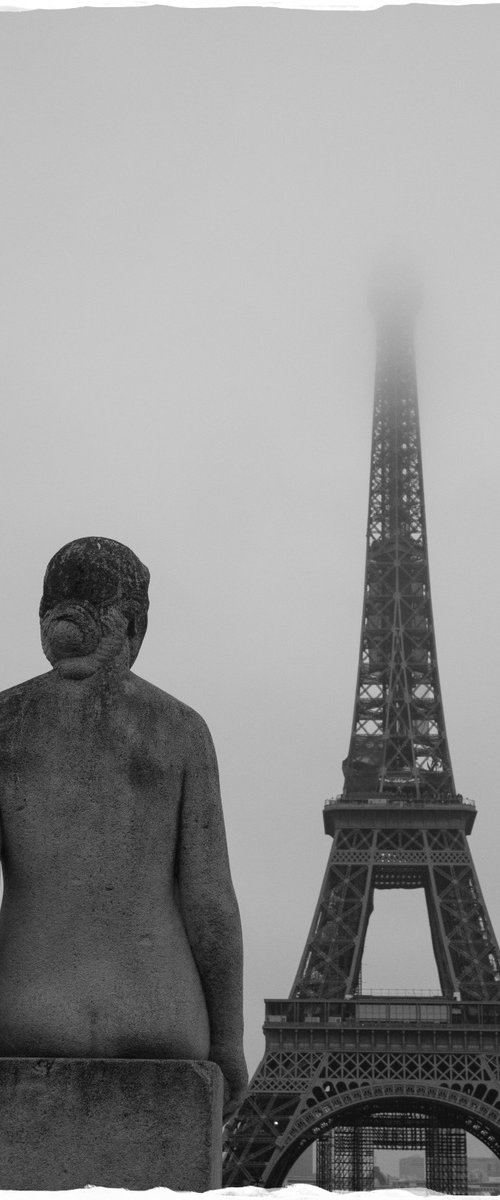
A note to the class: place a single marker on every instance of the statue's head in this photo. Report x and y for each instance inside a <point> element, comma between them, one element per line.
<point>95,602</point>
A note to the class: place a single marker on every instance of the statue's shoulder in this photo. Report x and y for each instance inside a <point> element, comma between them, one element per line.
<point>169,708</point>
<point>13,700</point>
<point>22,691</point>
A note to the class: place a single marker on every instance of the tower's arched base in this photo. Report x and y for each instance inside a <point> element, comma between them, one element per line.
<point>433,1084</point>
<point>347,1140</point>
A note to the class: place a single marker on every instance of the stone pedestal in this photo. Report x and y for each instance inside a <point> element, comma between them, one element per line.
<point>122,1123</point>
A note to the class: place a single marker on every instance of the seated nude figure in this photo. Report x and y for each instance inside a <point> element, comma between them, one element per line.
<point>119,927</point>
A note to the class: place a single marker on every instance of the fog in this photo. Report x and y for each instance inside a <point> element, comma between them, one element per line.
<point>193,203</point>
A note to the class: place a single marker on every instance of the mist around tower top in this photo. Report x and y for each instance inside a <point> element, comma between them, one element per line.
<point>394,291</point>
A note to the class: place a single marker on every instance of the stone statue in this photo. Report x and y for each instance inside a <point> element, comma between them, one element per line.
<point>119,927</point>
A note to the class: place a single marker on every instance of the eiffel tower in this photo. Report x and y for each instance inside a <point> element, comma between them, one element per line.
<point>349,1071</point>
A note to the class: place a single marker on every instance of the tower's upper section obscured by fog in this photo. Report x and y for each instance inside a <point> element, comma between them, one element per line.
<point>394,294</point>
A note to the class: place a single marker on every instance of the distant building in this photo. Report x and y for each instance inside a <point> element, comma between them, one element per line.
<point>412,1170</point>
<point>483,1173</point>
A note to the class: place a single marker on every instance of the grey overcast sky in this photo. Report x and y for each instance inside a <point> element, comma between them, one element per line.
<point>192,201</point>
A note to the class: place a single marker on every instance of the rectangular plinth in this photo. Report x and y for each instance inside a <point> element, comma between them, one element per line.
<point>122,1123</point>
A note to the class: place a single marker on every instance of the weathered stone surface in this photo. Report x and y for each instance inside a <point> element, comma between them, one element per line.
<point>66,1123</point>
<point>119,928</point>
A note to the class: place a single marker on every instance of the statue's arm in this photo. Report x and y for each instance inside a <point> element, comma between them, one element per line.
<point>210,909</point>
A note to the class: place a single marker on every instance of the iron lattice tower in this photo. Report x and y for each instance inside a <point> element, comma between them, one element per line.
<point>358,1072</point>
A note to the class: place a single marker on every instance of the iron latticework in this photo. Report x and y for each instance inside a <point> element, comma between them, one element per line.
<point>398,743</point>
<point>346,1155</point>
<point>373,1068</point>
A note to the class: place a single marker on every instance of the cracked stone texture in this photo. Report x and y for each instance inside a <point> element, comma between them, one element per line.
<point>119,928</point>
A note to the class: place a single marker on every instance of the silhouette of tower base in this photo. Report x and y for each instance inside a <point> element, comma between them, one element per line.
<point>424,1071</point>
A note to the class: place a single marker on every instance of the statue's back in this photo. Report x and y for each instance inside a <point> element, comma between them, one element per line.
<point>94,956</point>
